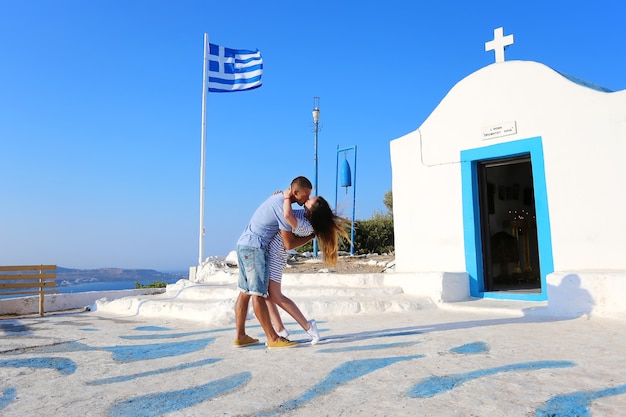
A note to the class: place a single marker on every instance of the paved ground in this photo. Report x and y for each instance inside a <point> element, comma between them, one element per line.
<point>425,363</point>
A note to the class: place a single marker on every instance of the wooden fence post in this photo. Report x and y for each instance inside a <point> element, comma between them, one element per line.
<point>41,296</point>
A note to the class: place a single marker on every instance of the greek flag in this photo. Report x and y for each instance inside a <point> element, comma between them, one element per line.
<point>233,69</point>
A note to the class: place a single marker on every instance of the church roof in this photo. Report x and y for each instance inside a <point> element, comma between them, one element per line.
<point>585,83</point>
<point>500,42</point>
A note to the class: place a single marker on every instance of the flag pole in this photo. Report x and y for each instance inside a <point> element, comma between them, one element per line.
<point>202,148</point>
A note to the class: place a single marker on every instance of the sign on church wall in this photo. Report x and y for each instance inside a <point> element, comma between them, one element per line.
<point>499,130</point>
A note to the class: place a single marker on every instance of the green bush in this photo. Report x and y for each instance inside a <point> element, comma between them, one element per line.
<point>155,284</point>
<point>370,236</point>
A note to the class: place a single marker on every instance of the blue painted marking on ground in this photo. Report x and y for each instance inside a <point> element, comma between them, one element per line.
<point>63,365</point>
<point>295,323</point>
<point>300,330</point>
<point>8,395</point>
<point>164,336</point>
<point>62,348</point>
<point>157,350</point>
<point>89,329</point>
<point>346,338</point>
<point>292,334</point>
<point>132,352</point>
<point>130,377</point>
<point>471,348</point>
<point>8,328</point>
<point>368,347</point>
<point>404,333</point>
<point>343,374</point>
<point>576,403</point>
<point>436,385</point>
<point>152,329</point>
<point>160,403</point>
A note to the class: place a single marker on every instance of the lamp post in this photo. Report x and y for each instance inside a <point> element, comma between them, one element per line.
<point>316,129</point>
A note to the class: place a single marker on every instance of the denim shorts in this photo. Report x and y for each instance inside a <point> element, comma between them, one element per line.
<point>253,276</point>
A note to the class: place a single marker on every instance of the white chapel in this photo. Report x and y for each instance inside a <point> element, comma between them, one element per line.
<point>513,189</point>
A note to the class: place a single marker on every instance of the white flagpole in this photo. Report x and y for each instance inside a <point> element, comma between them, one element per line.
<point>202,147</point>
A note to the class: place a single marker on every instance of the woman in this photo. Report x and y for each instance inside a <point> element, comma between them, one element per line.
<point>317,217</point>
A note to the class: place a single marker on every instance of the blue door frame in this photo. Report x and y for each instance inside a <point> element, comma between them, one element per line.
<point>471,215</point>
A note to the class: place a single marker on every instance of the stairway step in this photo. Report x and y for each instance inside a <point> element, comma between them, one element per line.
<point>326,291</point>
<point>203,291</point>
<point>334,280</point>
<point>317,296</point>
<point>341,306</point>
<point>222,311</point>
<point>220,292</point>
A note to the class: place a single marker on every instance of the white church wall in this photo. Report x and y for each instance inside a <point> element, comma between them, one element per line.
<point>427,206</point>
<point>583,133</point>
<point>583,171</point>
<point>595,293</point>
<point>440,287</point>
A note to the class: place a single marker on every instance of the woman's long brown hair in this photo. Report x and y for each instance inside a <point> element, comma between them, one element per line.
<point>328,226</point>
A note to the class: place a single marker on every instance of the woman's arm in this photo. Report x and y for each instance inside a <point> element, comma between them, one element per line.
<point>291,241</point>
<point>287,210</point>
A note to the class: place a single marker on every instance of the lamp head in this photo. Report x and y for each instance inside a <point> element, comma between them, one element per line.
<point>316,115</point>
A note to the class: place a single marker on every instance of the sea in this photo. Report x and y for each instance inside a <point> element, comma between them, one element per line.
<point>65,286</point>
<point>103,286</point>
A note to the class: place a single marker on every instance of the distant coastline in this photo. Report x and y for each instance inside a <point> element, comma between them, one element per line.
<point>110,276</point>
<point>108,279</point>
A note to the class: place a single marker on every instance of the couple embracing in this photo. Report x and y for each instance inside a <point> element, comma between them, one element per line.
<point>261,255</point>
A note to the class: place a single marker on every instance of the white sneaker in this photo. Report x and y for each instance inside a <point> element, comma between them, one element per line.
<point>313,333</point>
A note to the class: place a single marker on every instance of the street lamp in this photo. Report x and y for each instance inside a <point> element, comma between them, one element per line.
<point>316,129</point>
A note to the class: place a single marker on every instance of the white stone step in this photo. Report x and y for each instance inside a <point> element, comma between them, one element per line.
<point>214,292</point>
<point>339,280</point>
<point>326,291</point>
<point>317,295</point>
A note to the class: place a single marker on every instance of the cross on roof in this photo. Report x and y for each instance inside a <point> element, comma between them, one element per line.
<point>498,43</point>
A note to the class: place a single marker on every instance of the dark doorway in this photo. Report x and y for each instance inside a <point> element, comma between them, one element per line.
<point>508,226</point>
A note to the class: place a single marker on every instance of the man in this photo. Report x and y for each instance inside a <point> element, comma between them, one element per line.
<point>253,281</point>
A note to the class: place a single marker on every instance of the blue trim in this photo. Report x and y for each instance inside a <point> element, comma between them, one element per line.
<point>471,214</point>
<point>584,83</point>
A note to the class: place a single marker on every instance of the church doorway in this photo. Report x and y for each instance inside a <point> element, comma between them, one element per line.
<point>508,225</point>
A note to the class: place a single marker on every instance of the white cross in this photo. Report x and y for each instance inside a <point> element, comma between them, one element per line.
<point>498,43</point>
<point>221,60</point>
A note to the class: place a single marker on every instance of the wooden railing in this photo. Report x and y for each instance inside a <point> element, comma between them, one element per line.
<point>28,280</point>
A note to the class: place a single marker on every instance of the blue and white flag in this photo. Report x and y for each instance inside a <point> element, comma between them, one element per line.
<point>233,69</point>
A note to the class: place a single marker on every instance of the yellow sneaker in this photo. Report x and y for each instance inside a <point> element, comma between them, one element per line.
<point>246,342</point>
<point>281,342</point>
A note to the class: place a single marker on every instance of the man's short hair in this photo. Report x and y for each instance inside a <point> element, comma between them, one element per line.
<point>301,183</point>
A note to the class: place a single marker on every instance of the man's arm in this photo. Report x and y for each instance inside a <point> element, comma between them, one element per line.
<point>292,241</point>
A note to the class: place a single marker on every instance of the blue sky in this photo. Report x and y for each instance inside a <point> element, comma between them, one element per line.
<point>100,109</point>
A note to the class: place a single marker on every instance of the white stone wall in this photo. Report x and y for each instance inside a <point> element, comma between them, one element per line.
<point>69,301</point>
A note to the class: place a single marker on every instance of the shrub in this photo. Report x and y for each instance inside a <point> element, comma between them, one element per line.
<point>372,236</point>
<point>155,284</point>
